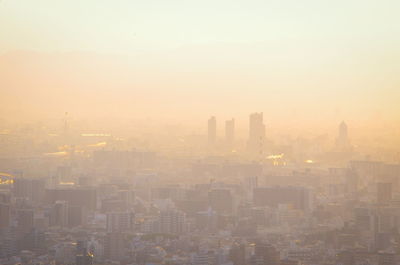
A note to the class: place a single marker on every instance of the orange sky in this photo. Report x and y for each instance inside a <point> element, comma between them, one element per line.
<point>300,63</point>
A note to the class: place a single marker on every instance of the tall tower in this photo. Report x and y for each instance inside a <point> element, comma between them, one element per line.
<point>230,133</point>
<point>256,140</point>
<point>342,141</point>
<point>212,131</point>
<point>66,124</point>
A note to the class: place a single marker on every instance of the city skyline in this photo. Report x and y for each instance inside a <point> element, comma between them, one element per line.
<point>142,60</point>
<point>182,132</point>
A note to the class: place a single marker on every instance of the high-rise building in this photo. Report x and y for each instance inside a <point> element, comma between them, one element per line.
<point>212,131</point>
<point>230,133</point>
<point>119,222</point>
<point>342,141</point>
<point>172,221</point>
<point>256,142</point>
<point>59,214</point>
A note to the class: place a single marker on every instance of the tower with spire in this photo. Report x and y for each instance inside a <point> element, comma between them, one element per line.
<point>342,140</point>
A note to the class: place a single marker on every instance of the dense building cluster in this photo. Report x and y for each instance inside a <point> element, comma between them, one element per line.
<point>101,205</point>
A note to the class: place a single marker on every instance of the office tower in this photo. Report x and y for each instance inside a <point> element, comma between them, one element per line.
<point>342,141</point>
<point>119,222</point>
<point>212,131</point>
<point>383,193</point>
<point>25,221</point>
<point>172,221</point>
<point>256,142</point>
<point>59,214</point>
<point>230,133</point>
<point>221,201</point>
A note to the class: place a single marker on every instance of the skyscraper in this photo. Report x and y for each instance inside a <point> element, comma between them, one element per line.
<point>59,214</point>
<point>230,132</point>
<point>212,131</point>
<point>256,135</point>
<point>342,141</point>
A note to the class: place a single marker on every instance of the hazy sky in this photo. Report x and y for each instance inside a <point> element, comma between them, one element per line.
<point>293,59</point>
<point>129,25</point>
